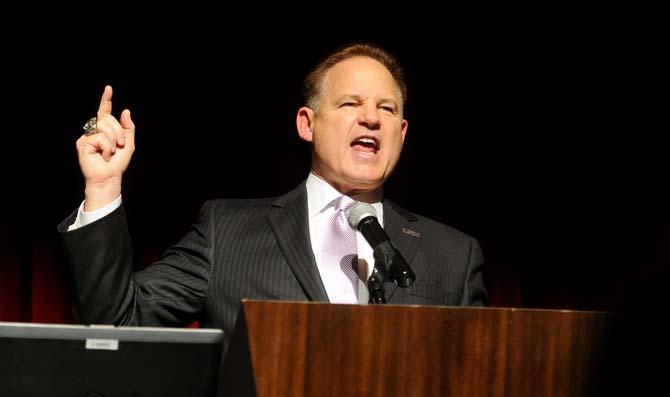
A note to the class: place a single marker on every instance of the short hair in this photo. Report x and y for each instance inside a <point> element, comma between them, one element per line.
<point>313,83</point>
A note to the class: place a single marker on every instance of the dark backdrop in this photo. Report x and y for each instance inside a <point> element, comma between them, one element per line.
<point>536,140</point>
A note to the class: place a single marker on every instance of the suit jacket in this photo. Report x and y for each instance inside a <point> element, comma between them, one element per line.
<point>253,248</point>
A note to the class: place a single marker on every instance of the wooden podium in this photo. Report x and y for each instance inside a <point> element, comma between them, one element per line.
<point>318,349</point>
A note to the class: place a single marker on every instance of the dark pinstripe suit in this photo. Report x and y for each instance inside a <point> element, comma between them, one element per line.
<point>255,248</point>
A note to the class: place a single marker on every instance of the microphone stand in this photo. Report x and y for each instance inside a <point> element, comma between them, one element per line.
<point>376,288</point>
<point>378,277</point>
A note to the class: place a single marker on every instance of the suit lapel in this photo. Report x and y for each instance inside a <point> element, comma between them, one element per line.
<point>403,230</point>
<point>289,223</point>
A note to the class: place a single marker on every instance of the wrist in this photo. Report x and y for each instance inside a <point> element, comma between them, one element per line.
<point>98,195</point>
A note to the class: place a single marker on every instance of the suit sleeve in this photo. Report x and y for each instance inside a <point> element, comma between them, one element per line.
<point>474,292</point>
<point>170,292</point>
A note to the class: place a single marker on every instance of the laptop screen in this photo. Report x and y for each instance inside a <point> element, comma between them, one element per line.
<point>78,360</point>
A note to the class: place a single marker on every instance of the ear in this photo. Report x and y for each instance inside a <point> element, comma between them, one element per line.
<point>305,123</point>
<point>403,130</point>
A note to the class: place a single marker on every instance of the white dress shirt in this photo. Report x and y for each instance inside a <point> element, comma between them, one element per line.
<point>320,205</point>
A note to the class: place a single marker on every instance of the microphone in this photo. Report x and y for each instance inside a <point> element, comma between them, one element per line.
<point>363,217</point>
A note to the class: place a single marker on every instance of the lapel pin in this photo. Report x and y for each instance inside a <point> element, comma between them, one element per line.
<point>411,232</point>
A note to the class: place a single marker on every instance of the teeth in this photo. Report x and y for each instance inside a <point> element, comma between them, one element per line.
<point>367,140</point>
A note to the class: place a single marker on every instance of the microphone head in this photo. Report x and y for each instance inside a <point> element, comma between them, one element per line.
<point>359,212</point>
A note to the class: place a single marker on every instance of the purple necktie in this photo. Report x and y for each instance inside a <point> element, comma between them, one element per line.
<point>338,255</point>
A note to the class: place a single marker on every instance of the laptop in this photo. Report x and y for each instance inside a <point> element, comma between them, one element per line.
<point>79,360</point>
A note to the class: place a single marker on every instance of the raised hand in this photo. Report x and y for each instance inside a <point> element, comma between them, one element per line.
<point>104,154</point>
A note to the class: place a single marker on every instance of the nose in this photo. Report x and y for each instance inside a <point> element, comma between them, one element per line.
<point>369,116</point>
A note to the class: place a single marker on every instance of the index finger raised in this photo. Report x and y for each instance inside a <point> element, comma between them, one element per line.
<point>105,107</point>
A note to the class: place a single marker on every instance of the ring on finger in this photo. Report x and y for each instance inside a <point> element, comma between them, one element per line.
<point>91,126</point>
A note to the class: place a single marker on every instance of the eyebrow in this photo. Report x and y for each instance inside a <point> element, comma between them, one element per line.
<point>348,96</point>
<point>359,98</point>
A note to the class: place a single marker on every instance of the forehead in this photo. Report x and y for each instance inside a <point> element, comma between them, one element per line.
<point>360,76</point>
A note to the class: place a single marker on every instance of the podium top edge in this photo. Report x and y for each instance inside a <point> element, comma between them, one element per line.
<point>435,307</point>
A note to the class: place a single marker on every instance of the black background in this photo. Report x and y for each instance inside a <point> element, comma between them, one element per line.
<point>535,136</point>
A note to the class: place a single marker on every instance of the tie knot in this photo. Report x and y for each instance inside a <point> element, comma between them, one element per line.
<point>344,203</point>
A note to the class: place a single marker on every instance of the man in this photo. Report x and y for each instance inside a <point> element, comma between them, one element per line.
<point>288,248</point>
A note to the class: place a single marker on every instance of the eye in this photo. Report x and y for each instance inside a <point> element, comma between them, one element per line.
<point>347,104</point>
<point>389,109</point>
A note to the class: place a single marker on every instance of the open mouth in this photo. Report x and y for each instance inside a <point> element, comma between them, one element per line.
<point>366,144</point>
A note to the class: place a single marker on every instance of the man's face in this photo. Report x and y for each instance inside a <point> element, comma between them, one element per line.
<point>358,130</point>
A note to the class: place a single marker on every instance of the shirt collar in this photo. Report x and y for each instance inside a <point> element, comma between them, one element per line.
<point>320,195</point>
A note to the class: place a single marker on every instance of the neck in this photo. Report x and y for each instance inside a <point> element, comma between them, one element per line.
<point>370,197</point>
<point>363,195</point>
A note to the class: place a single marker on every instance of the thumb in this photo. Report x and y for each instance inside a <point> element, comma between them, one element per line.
<point>128,125</point>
